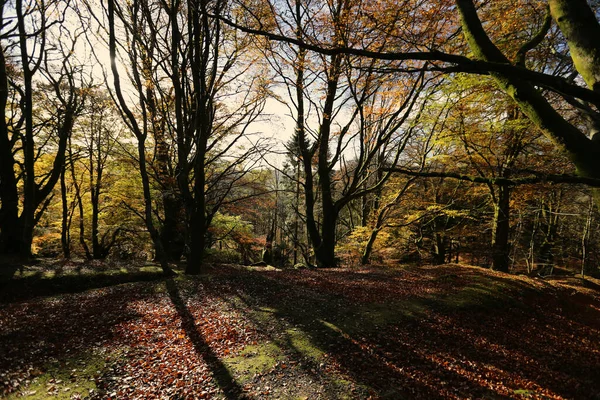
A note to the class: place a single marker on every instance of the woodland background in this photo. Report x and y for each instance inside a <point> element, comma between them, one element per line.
<point>139,129</point>
<point>171,171</point>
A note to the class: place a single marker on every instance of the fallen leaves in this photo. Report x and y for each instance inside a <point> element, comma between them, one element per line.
<point>412,333</point>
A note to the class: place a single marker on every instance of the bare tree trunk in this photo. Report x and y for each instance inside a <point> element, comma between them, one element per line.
<point>79,200</point>
<point>95,176</point>
<point>29,188</point>
<point>197,243</point>
<point>585,239</point>
<point>296,213</point>
<point>9,213</point>
<point>440,248</point>
<point>501,231</point>
<point>552,217</point>
<point>325,252</point>
<point>65,235</point>
<point>366,256</point>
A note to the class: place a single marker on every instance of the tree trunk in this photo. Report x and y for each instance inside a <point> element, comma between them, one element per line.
<point>173,232</point>
<point>267,254</point>
<point>501,231</point>
<point>366,256</point>
<point>27,226</point>
<point>29,187</point>
<point>439,247</point>
<point>325,252</point>
<point>576,20</point>
<point>9,196</point>
<point>197,243</point>
<point>154,234</point>
<point>296,213</point>
<point>585,239</point>
<point>79,201</point>
<point>547,247</point>
<point>65,237</point>
<point>198,221</point>
<point>17,231</point>
<point>365,209</point>
<point>97,251</point>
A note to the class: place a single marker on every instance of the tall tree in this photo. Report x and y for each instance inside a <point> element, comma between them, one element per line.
<point>212,120</point>
<point>509,64</point>
<point>41,51</point>
<point>492,140</point>
<point>140,130</point>
<point>192,93</point>
<point>349,118</point>
<point>99,132</point>
<point>578,23</point>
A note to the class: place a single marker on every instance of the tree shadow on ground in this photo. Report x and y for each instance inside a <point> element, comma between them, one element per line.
<point>456,333</point>
<point>355,352</point>
<point>221,374</point>
<point>8,268</point>
<point>45,334</point>
<point>439,350</point>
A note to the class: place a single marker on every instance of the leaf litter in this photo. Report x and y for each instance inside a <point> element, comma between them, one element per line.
<point>433,332</point>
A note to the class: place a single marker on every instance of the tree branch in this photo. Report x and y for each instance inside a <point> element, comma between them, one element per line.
<point>465,64</point>
<point>526,180</point>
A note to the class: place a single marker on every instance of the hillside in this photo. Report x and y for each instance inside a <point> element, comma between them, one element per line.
<point>78,331</point>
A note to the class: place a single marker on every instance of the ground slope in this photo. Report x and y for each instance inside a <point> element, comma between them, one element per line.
<point>412,332</point>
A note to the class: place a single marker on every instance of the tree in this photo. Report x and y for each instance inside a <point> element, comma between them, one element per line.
<point>579,25</point>
<point>34,41</point>
<point>491,140</point>
<point>576,21</point>
<point>393,194</point>
<point>139,130</point>
<point>194,94</point>
<point>100,131</point>
<point>349,118</point>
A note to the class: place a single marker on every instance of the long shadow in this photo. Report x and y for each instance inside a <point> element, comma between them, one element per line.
<point>323,323</point>
<point>491,332</point>
<point>221,374</point>
<point>8,269</point>
<point>46,334</point>
<point>308,365</point>
<point>548,316</point>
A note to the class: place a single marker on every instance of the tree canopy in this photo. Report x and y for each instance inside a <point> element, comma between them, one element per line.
<point>418,123</point>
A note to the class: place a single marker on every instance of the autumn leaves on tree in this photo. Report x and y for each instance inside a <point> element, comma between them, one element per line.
<point>413,127</point>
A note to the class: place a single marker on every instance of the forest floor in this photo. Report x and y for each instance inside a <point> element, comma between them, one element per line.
<point>77,330</point>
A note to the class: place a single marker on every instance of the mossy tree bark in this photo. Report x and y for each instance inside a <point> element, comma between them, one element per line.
<point>577,21</point>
